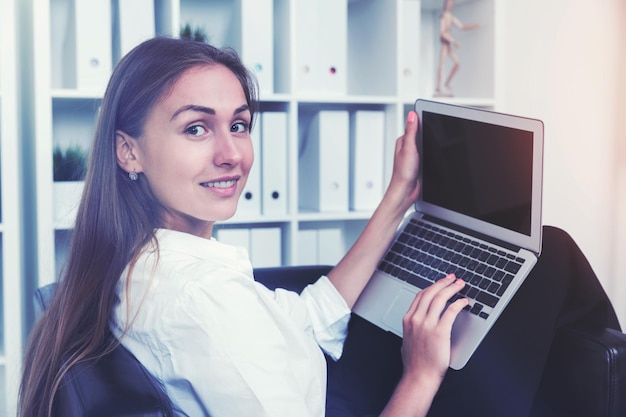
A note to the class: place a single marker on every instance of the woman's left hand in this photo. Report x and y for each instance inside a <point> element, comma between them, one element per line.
<point>404,187</point>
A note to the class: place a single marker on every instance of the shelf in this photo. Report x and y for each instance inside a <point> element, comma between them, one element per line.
<point>385,54</point>
<point>485,102</point>
<point>312,217</point>
<point>351,100</point>
<point>69,94</point>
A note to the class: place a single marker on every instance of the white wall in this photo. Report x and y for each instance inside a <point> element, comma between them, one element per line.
<point>563,62</point>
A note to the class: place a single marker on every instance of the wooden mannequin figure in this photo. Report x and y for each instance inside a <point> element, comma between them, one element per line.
<point>446,20</point>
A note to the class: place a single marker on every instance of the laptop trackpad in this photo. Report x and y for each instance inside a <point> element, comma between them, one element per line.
<point>397,310</point>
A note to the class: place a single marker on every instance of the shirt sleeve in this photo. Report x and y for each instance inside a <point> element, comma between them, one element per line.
<point>329,315</point>
<point>319,309</point>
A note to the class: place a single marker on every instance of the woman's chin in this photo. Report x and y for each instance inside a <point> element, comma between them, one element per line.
<point>225,215</point>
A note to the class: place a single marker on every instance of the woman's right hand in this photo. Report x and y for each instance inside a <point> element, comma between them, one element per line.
<point>427,328</point>
<point>427,332</point>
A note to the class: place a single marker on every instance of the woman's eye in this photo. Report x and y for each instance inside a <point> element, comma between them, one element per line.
<point>196,130</point>
<point>239,127</point>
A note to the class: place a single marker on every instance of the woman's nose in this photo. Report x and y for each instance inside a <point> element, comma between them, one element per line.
<point>226,150</point>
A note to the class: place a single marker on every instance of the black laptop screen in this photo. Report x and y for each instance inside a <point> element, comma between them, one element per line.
<point>478,169</point>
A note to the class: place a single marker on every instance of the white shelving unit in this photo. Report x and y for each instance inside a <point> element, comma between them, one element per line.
<point>385,51</point>
<point>11,330</point>
<point>376,55</point>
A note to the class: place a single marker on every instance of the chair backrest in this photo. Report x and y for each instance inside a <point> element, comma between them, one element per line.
<point>293,278</point>
<point>585,374</point>
<point>114,385</point>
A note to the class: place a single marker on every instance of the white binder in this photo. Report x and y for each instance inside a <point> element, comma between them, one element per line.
<point>321,46</point>
<point>331,246</point>
<point>367,142</point>
<point>136,23</point>
<point>321,246</point>
<point>410,58</point>
<point>274,163</point>
<point>62,46</point>
<point>262,243</point>
<point>234,236</point>
<point>93,44</point>
<point>265,246</point>
<point>250,200</point>
<point>256,43</point>
<point>307,247</point>
<point>323,179</point>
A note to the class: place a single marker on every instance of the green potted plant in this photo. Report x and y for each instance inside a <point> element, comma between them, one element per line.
<point>196,34</point>
<point>69,168</point>
<point>69,164</point>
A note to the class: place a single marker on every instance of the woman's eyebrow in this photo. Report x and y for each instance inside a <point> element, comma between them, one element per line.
<point>241,109</point>
<point>207,110</point>
<point>193,107</point>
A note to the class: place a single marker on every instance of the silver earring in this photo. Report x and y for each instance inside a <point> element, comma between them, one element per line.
<point>133,176</point>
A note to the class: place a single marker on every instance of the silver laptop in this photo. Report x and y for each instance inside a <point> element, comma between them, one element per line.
<point>478,216</point>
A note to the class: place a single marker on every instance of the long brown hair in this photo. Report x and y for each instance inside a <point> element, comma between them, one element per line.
<point>116,217</point>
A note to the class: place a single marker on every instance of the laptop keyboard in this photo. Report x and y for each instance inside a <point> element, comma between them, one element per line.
<point>424,253</point>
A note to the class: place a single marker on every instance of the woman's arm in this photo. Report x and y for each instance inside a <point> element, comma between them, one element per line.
<point>427,325</point>
<point>354,270</point>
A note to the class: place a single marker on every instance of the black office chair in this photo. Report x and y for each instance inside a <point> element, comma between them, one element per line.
<point>585,373</point>
<point>114,385</point>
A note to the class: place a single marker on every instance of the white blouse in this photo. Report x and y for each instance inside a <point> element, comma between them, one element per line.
<point>221,343</point>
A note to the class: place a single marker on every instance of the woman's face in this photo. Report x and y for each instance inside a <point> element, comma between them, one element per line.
<point>195,151</point>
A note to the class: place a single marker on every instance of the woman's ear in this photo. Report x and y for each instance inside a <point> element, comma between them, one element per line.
<point>127,152</point>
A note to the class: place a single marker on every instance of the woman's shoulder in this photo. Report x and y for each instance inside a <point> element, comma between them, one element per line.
<point>194,260</point>
<point>176,265</point>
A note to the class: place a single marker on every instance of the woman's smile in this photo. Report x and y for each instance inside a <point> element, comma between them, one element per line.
<point>225,187</point>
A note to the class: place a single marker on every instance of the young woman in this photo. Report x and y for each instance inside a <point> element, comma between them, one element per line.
<point>171,156</point>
